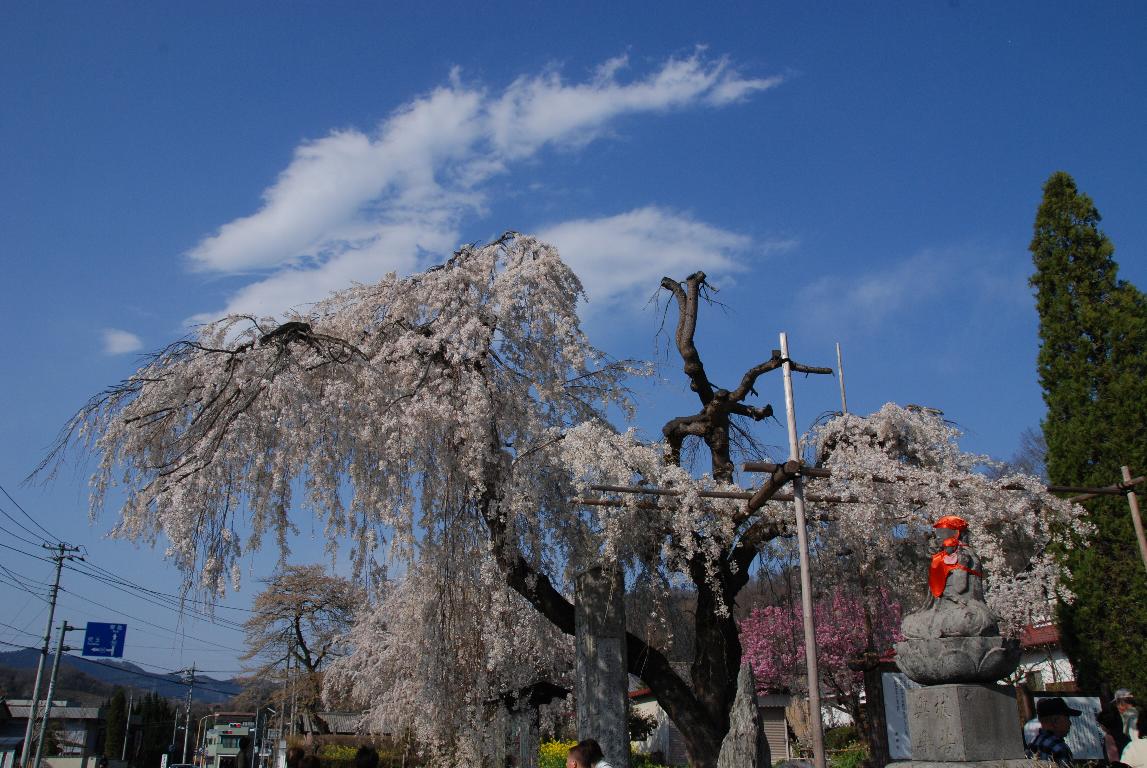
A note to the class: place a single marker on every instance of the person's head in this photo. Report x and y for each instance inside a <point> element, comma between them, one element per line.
<point>576,757</point>
<point>310,761</point>
<point>1123,700</point>
<point>1055,716</point>
<point>366,757</point>
<point>593,751</point>
<point>294,756</point>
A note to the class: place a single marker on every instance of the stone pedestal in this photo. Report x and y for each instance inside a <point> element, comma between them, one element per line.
<point>601,668</point>
<point>964,725</point>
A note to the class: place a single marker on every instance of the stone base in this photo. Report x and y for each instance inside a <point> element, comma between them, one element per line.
<point>1025,763</point>
<point>965,724</point>
<point>939,661</point>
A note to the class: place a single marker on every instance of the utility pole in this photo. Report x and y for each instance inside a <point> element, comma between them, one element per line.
<point>187,711</point>
<point>60,648</point>
<point>1136,520</point>
<point>814,714</point>
<point>127,726</point>
<point>63,552</point>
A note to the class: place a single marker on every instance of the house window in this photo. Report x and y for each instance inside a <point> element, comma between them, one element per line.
<point>1034,680</point>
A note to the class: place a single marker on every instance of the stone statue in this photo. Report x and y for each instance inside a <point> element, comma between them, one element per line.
<point>954,637</point>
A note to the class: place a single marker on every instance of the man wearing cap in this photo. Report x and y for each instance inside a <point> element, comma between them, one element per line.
<point>1054,723</point>
<point>1124,702</point>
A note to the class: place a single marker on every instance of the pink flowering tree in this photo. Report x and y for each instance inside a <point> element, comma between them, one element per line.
<point>847,624</point>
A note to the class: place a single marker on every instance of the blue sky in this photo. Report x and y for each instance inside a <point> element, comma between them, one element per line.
<point>864,173</point>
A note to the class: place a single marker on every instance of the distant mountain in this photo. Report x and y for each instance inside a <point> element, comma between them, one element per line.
<point>208,690</point>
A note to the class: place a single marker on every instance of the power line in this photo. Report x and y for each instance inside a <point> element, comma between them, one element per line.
<point>142,621</point>
<point>125,670</point>
<point>225,624</point>
<point>180,643</point>
<point>21,584</point>
<point>17,536</point>
<point>17,629</point>
<point>181,598</point>
<point>28,554</point>
<point>22,579</point>
<point>49,534</point>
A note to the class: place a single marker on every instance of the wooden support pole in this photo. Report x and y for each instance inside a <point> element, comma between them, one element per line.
<point>814,715</point>
<point>840,378</point>
<point>1136,520</point>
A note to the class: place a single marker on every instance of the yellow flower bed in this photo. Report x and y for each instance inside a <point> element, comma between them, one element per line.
<point>552,754</point>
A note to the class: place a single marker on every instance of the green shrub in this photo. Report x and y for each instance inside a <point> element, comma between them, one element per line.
<point>840,737</point>
<point>852,757</point>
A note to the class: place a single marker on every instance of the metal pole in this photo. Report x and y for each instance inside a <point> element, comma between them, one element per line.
<point>200,743</point>
<point>187,715</point>
<point>258,741</point>
<point>815,724</point>
<point>294,692</point>
<point>33,711</point>
<point>1136,520</point>
<point>840,377</point>
<point>60,648</point>
<point>127,726</point>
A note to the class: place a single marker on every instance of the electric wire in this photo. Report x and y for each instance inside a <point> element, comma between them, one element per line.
<point>136,618</point>
<point>223,623</point>
<point>22,588</point>
<point>49,534</point>
<point>180,645</point>
<point>125,670</point>
<point>27,554</point>
<point>133,585</point>
<point>17,536</point>
<point>26,582</point>
<point>17,629</point>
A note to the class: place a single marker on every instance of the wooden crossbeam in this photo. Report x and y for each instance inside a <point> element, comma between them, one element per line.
<point>1085,493</point>
<point>781,474</point>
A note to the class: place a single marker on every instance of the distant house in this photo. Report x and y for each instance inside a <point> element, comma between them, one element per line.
<point>337,723</point>
<point>77,728</point>
<point>10,741</point>
<point>666,741</point>
<point>1043,663</point>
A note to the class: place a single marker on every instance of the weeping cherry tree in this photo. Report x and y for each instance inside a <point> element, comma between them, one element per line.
<point>445,422</point>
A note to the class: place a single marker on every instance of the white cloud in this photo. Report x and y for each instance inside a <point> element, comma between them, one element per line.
<point>867,300</point>
<point>537,110</point>
<point>622,258</point>
<point>971,279</point>
<point>353,206</point>
<point>117,342</point>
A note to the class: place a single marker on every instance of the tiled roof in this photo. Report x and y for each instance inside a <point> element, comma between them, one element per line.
<point>61,713</point>
<point>1043,634</point>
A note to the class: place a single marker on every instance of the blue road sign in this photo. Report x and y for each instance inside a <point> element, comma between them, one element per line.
<point>104,639</point>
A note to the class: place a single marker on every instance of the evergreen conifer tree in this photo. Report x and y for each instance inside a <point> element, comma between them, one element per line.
<point>116,723</point>
<point>1093,370</point>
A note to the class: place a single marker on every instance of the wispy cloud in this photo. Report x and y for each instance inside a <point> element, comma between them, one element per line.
<point>117,342</point>
<point>353,205</point>
<point>624,256</point>
<point>971,280</point>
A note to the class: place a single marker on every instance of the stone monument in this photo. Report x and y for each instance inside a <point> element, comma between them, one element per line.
<point>601,669</point>
<point>953,648</point>
<point>744,745</point>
